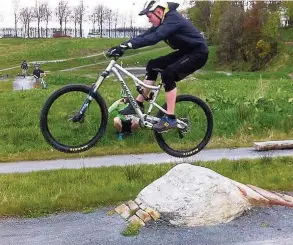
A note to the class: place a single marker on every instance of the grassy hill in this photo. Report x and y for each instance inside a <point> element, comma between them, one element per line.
<point>247,106</point>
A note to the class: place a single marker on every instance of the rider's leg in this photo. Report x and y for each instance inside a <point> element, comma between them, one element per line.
<point>153,67</point>
<point>146,91</point>
<point>134,124</point>
<point>118,124</point>
<point>175,72</point>
<point>171,101</point>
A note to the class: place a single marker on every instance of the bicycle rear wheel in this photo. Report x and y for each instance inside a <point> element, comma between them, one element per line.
<point>68,135</point>
<point>193,138</point>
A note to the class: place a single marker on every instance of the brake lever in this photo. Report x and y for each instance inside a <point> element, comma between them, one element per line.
<point>108,55</point>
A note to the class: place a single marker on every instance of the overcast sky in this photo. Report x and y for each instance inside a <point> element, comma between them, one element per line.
<point>134,6</point>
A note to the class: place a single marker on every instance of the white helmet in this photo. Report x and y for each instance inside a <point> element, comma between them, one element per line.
<point>151,5</point>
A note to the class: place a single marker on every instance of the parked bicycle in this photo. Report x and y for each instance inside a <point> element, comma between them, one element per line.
<point>41,81</point>
<point>75,117</point>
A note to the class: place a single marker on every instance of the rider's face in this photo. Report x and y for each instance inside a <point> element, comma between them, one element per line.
<point>153,18</point>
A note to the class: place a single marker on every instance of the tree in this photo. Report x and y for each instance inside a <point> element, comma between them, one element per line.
<point>100,11</point>
<point>200,14</point>
<point>47,16</point>
<point>38,13</point>
<point>74,18</point>
<point>93,18</point>
<point>124,20</point>
<point>108,17</point>
<point>230,31</point>
<point>131,21</point>
<point>16,15</point>
<point>271,27</point>
<point>26,16</point>
<point>288,6</point>
<point>115,21</point>
<point>60,12</point>
<point>217,10</point>
<point>67,15</point>
<point>81,9</point>
<point>273,6</point>
<point>252,26</point>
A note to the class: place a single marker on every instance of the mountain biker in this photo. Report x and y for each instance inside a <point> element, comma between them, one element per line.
<point>191,54</point>
<point>24,68</point>
<point>37,73</point>
<point>124,124</point>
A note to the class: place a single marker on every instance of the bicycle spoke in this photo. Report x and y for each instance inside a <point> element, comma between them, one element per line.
<point>66,131</point>
<point>193,132</point>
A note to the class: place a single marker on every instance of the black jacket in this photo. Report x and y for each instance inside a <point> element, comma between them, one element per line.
<point>38,72</point>
<point>176,31</point>
<point>24,65</point>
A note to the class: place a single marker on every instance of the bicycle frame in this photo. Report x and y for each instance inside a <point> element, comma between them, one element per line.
<point>145,119</point>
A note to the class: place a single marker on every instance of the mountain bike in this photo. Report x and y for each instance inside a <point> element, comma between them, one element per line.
<point>75,117</point>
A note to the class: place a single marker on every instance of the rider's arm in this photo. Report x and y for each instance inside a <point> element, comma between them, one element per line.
<point>42,73</point>
<point>114,106</point>
<point>156,35</point>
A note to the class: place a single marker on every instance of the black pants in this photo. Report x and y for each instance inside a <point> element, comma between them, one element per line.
<point>174,67</point>
<point>126,126</point>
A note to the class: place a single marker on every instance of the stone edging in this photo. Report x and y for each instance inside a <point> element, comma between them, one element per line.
<point>137,212</point>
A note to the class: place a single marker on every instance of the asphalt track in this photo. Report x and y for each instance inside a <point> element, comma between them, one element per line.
<point>259,226</point>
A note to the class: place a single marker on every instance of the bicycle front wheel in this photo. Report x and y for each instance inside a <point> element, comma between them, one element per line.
<point>191,139</point>
<point>68,135</point>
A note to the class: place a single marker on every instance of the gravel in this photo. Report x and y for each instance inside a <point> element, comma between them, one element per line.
<point>259,226</point>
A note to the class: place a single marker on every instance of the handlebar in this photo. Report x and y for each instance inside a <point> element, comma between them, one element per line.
<point>110,55</point>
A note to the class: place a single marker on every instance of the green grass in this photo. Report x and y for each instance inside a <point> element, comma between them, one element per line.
<point>282,62</point>
<point>246,107</point>
<point>40,193</point>
<point>6,85</point>
<point>13,51</point>
<point>73,49</point>
<point>286,34</point>
<point>132,229</point>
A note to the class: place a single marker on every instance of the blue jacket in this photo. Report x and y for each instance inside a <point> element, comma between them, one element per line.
<point>176,31</point>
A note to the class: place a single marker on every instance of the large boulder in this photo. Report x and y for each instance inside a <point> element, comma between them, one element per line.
<point>194,196</point>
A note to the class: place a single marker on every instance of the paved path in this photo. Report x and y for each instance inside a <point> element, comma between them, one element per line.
<point>120,160</point>
<point>260,226</point>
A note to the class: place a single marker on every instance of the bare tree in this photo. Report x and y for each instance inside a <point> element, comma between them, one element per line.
<point>67,15</point>
<point>108,17</point>
<point>38,13</point>
<point>74,18</point>
<point>131,21</point>
<point>100,11</point>
<point>16,15</point>
<point>124,19</point>
<point>81,9</point>
<point>26,16</point>
<point>115,18</point>
<point>60,12</point>
<point>93,18</point>
<point>47,16</point>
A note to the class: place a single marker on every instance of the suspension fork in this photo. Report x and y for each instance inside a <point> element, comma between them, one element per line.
<point>79,116</point>
<point>95,87</point>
